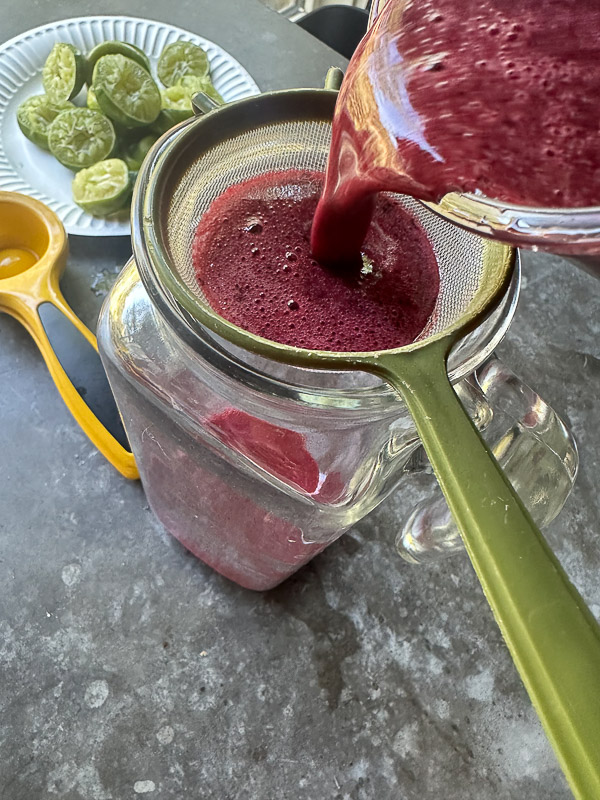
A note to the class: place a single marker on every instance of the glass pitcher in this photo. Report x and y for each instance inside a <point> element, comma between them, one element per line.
<point>256,467</point>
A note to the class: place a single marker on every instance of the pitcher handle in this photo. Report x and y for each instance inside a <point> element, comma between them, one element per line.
<point>533,445</point>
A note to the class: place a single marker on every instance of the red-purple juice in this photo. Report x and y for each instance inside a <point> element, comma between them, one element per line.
<point>231,529</point>
<point>478,95</point>
<point>253,259</point>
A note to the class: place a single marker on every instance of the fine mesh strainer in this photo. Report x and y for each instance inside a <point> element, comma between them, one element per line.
<point>553,638</point>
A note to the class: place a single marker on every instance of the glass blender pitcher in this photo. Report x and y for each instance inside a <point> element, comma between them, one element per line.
<point>573,233</point>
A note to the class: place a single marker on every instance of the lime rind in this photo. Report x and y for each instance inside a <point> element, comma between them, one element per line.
<point>36,114</point>
<point>116,48</point>
<point>162,123</point>
<point>135,152</point>
<point>63,74</point>
<point>80,137</point>
<point>92,101</point>
<point>104,188</point>
<point>181,59</point>
<point>125,91</point>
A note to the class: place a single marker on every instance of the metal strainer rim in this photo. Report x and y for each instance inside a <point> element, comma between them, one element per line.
<point>498,258</point>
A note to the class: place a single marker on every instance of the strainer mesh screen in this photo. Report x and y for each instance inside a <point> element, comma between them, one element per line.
<point>305,145</point>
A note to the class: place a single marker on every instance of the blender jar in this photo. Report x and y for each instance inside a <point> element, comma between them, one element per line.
<point>573,233</point>
<point>254,466</point>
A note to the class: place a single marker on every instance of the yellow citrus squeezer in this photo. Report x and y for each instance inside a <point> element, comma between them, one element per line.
<point>33,254</point>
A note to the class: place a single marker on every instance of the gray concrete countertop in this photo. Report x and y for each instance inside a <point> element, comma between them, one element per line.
<point>129,668</point>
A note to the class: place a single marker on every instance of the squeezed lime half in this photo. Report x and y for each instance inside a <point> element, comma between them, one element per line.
<point>193,85</point>
<point>63,74</point>
<point>176,104</point>
<point>116,48</point>
<point>180,59</point>
<point>35,115</point>
<point>177,101</point>
<point>125,91</point>
<point>79,137</point>
<point>103,188</point>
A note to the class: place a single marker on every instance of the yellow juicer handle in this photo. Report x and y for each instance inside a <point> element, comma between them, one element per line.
<point>31,310</point>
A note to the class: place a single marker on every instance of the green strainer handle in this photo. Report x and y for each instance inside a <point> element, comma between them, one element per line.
<point>552,636</point>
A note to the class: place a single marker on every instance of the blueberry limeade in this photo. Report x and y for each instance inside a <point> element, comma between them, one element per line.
<point>252,257</point>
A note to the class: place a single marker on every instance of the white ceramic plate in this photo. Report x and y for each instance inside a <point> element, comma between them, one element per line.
<point>26,168</point>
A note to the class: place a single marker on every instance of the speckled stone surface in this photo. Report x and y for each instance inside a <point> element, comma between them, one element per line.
<point>127,668</point>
